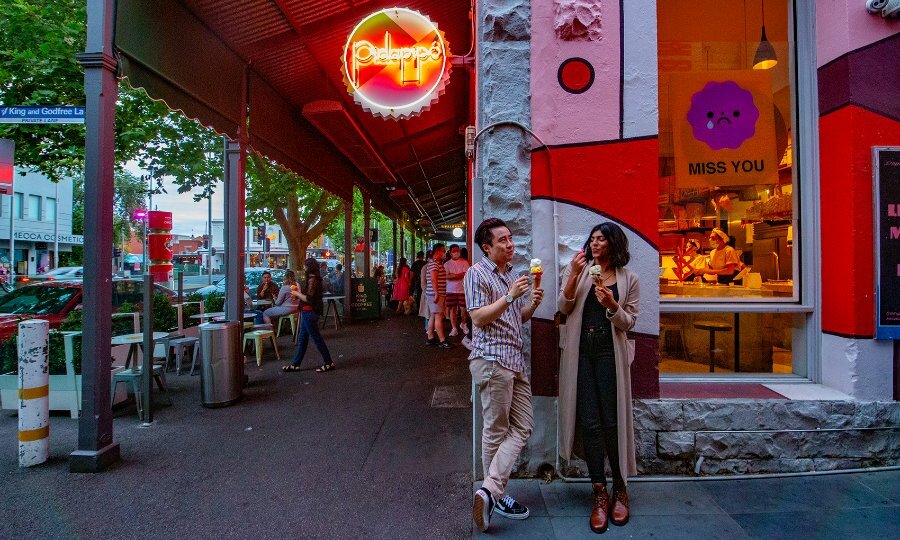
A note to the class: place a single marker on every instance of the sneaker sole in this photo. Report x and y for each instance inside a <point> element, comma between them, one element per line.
<point>480,514</point>
<point>512,516</point>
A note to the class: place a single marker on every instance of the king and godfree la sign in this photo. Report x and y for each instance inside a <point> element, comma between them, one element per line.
<point>395,63</point>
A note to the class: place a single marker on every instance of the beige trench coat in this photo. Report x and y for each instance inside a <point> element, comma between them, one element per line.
<point>570,335</point>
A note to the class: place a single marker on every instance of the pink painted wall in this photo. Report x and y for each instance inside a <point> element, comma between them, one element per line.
<point>845,25</point>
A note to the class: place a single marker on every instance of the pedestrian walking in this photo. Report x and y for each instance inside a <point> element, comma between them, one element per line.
<point>417,267</point>
<point>436,295</point>
<point>285,304</point>
<point>311,306</point>
<point>600,298</point>
<point>496,302</point>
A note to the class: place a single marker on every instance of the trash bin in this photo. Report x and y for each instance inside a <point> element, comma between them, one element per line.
<point>221,363</point>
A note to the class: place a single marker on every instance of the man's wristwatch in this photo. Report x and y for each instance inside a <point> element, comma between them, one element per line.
<point>509,299</point>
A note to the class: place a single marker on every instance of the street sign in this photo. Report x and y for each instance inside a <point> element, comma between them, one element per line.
<point>41,115</point>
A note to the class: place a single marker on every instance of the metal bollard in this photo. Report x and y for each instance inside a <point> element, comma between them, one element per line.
<point>34,392</point>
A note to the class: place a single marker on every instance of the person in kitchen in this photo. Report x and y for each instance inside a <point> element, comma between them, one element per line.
<point>724,262</point>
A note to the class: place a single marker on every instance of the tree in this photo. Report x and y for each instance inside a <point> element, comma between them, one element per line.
<point>303,210</point>
<point>38,43</point>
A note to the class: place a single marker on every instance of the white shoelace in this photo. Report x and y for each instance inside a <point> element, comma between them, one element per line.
<point>508,501</point>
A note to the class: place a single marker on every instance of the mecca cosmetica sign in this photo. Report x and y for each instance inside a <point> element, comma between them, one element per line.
<point>395,63</point>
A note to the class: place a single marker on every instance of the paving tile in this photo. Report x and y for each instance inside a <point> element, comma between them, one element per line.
<point>869,523</point>
<point>567,499</point>
<point>670,498</point>
<point>538,528</point>
<point>707,527</point>
<point>528,492</point>
<point>792,494</point>
<point>885,483</point>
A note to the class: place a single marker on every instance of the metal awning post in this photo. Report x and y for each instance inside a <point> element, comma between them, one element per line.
<point>235,207</point>
<point>348,257</point>
<point>96,448</point>
<point>367,235</point>
<point>394,248</point>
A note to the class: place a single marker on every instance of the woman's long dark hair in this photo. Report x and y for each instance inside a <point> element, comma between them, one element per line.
<point>400,266</point>
<point>312,268</point>
<point>289,278</point>
<point>618,244</point>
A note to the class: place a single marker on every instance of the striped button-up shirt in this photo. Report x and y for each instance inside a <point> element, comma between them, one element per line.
<point>501,340</point>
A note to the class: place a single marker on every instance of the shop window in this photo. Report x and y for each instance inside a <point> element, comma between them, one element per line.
<point>50,209</point>
<point>729,342</point>
<point>728,199</point>
<point>34,207</point>
<point>18,203</point>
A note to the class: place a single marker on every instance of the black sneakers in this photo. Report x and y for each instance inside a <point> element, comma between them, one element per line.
<point>482,509</point>
<point>444,345</point>
<point>432,342</point>
<point>511,508</point>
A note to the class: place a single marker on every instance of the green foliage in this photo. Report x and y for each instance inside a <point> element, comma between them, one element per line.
<point>9,353</point>
<point>191,309</point>
<point>215,302</point>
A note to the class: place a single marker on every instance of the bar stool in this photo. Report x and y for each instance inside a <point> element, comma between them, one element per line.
<point>675,331</point>
<point>179,345</point>
<point>712,327</point>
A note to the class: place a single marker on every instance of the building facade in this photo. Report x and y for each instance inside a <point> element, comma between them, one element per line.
<point>732,142</point>
<point>41,212</point>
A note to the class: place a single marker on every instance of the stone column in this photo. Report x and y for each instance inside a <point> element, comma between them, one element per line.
<point>502,176</point>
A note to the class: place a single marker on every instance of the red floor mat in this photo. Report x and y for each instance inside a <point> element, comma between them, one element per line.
<point>686,390</point>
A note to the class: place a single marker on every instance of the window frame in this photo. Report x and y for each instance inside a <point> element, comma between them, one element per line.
<point>806,260</point>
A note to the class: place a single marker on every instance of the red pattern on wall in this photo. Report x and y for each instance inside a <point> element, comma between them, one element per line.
<point>615,178</point>
<point>848,264</point>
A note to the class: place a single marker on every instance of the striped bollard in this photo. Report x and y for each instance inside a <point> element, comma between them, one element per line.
<point>34,393</point>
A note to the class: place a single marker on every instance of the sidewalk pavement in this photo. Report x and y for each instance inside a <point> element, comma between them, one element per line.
<point>846,506</point>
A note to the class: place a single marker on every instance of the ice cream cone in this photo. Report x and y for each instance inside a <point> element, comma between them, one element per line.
<point>595,272</point>
<point>537,271</point>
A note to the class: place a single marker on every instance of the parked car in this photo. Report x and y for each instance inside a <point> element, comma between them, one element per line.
<point>54,300</point>
<point>252,277</point>
<point>62,273</point>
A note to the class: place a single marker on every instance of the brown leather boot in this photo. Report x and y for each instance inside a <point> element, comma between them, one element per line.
<point>619,509</point>
<point>600,511</point>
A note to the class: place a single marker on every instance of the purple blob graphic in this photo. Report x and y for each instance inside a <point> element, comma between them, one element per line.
<point>723,115</point>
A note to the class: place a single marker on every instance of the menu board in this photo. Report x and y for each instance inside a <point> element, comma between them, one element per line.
<point>365,299</point>
<point>886,169</point>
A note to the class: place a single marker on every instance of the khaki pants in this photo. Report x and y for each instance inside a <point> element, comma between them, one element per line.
<point>508,420</point>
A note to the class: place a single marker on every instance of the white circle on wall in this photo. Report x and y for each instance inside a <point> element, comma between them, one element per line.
<point>457,232</point>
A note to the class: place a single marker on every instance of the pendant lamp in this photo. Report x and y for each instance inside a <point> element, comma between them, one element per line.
<point>765,53</point>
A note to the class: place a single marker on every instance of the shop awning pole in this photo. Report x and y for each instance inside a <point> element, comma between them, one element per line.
<point>96,448</point>
<point>367,235</point>
<point>348,256</point>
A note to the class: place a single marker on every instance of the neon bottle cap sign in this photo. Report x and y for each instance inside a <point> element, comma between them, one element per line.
<point>395,63</point>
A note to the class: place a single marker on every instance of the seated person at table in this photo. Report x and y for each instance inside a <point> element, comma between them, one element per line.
<point>249,308</point>
<point>268,289</point>
<point>337,281</point>
<point>285,304</point>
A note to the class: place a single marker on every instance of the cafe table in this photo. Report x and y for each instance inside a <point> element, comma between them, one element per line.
<point>134,341</point>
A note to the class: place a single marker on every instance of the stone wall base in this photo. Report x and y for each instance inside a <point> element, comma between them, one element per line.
<point>754,436</point>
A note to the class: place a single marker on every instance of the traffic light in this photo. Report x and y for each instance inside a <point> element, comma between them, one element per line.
<point>117,252</point>
<point>260,233</point>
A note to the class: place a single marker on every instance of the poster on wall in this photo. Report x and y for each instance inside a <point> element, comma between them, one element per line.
<point>886,170</point>
<point>723,128</point>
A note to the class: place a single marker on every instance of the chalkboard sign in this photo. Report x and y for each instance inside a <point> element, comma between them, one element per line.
<point>365,299</point>
<point>886,169</point>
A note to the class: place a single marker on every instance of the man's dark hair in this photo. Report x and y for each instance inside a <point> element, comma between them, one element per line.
<point>420,254</point>
<point>618,244</point>
<point>267,273</point>
<point>453,246</point>
<point>339,267</point>
<point>484,234</point>
<point>437,247</point>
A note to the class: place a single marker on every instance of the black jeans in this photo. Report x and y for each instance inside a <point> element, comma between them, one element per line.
<point>596,407</point>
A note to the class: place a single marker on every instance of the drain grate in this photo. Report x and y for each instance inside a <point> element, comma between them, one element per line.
<point>451,397</point>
